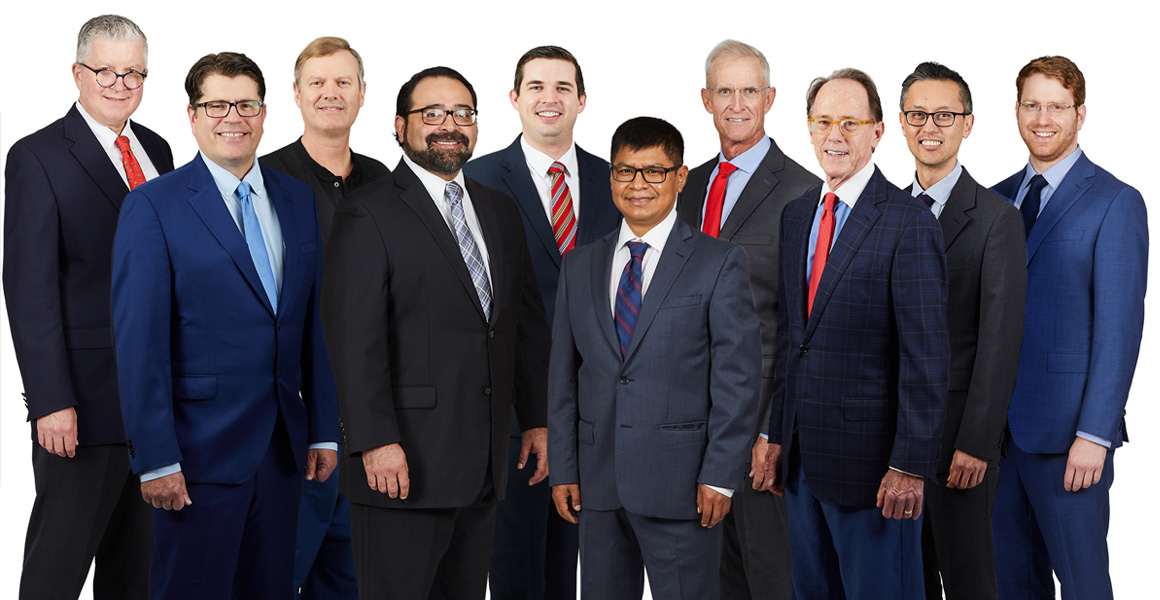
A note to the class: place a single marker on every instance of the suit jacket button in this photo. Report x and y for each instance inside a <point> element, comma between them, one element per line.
<point>278,327</point>
<point>487,391</point>
<point>623,380</point>
<point>278,373</point>
<point>804,348</point>
<point>491,334</point>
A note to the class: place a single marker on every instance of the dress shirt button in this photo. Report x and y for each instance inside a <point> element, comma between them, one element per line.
<point>487,391</point>
<point>623,380</point>
<point>804,348</point>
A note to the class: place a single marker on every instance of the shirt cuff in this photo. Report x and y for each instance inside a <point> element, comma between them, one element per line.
<point>765,436</point>
<point>1094,438</point>
<point>905,473</point>
<point>728,493</point>
<point>324,446</point>
<point>160,472</point>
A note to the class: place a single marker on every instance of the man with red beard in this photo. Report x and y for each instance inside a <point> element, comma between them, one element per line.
<point>431,308</point>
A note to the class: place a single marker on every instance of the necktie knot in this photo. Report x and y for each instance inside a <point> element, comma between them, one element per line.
<point>830,199</point>
<point>927,200</point>
<point>453,192</point>
<point>243,191</point>
<point>637,249</point>
<point>725,169</point>
<point>122,143</point>
<point>557,168</point>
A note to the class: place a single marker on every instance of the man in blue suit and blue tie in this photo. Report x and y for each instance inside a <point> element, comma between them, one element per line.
<point>225,379</point>
<point>863,353</point>
<point>653,384</point>
<point>1087,267</point>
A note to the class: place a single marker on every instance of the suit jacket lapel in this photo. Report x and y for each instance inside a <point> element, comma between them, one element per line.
<point>954,215</point>
<point>492,239</point>
<point>672,260</point>
<point>1070,189</point>
<point>291,267</point>
<point>797,234</point>
<point>601,293</point>
<point>519,180</point>
<point>691,202</point>
<point>594,176</point>
<point>760,185</point>
<point>94,159</point>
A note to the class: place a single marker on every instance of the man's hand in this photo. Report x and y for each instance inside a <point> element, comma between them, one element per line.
<point>773,482</point>
<point>535,441</point>
<point>166,492</point>
<point>900,496</point>
<point>57,432</point>
<point>757,463</point>
<point>711,505</point>
<point>320,463</point>
<point>386,468</point>
<point>567,500</point>
<point>966,471</point>
<point>1085,465</point>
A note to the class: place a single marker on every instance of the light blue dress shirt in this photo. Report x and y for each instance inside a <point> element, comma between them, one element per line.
<point>940,192</point>
<point>746,163</point>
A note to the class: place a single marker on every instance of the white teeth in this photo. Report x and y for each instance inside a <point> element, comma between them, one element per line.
<point>1043,134</point>
<point>549,114</point>
<point>231,134</point>
<point>930,143</point>
<point>736,120</point>
<point>833,153</point>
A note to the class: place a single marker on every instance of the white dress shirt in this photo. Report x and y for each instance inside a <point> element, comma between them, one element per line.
<point>538,165</point>
<point>108,141</point>
<point>436,186</point>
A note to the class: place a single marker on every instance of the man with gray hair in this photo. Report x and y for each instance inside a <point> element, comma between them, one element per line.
<point>738,195</point>
<point>64,188</point>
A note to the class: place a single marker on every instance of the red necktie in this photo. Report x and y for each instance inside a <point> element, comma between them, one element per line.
<point>822,249</point>
<point>563,218</point>
<point>716,201</point>
<point>132,167</point>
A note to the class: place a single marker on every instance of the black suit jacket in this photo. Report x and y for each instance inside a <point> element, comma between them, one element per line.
<point>987,278</point>
<point>415,360</point>
<point>753,224</point>
<point>62,199</point>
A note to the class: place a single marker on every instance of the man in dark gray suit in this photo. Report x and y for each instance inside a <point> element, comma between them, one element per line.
<point>742,203</point>
<point>653,383</point>
<point>987,273</point>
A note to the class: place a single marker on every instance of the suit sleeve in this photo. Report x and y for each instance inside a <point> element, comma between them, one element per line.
<point>563,390</point>
<point>919,289</point>
<point>32,283</point>
<point>318,391</point>
<point>1119,280</point>
<point>777,401</point>
<point>141,302</point>
<point>734,374</point>
<point>1003,291</point>
<point>533,344</point>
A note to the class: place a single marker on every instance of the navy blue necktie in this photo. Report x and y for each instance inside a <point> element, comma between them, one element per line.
<point>1031,203</point>
<point>628,296</point>
<point>257,244</point>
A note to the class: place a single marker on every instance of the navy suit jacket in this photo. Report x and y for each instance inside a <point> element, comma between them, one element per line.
<point>862,383</point>
<point>641,431</point>
<point>206,366</point>
<point>63,195</point>
<point>1087,267</point>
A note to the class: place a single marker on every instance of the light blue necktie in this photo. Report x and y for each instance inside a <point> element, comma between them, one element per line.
<point>253,232</point>
<point>467,247</point>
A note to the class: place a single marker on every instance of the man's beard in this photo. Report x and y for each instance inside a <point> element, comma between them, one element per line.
<point>432,158</point>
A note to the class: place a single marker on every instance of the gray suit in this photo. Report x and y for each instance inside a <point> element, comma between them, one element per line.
<point>755,555</point>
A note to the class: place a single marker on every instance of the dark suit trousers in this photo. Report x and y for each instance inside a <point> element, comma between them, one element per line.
<point>86,506</point>
<point>755,549</point>
<point>1040,526</point>
<point>956,539</point>
<point>323,560</point>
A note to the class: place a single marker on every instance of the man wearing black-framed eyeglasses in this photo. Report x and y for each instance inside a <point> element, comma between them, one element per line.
<point>64,186</point>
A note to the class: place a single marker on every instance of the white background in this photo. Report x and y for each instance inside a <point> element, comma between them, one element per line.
<point>638,59</point>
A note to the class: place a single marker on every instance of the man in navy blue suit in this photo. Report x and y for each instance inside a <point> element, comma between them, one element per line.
<point>1087,267</point>
<point>225,378</point>
<point>863,353</point>
<point>64,188</point>
<point>565,201</point>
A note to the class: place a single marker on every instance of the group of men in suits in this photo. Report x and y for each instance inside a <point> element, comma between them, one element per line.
<point>835,365</point>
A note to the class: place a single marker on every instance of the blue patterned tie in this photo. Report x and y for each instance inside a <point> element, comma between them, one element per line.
<point>1031,202</point>
<point>467,247</point>
<point>628,295</point>
<point>253,232</point>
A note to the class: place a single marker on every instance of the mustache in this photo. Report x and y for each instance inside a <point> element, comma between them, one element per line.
<point>447,136</point>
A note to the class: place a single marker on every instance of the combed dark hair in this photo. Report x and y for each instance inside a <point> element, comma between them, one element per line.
<point>649,132</point>
<point>403,103</point>
<point>553,53</point>
<point>1055,67</point>
<point>932,71</point>
<point>853,75</point>
<point>108,27</point>
<point>228,64</point>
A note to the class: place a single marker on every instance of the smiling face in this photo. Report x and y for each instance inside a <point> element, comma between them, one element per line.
<point>644,204</point>
<point>1049,138</point>
<point>329,94</point>
<point>935,148</point>
<point>548,102</point>
<point>110,106</point>
<point>840,156</point>
<point>230,141</point>
<point>441,149</point>
<point>740,120</point>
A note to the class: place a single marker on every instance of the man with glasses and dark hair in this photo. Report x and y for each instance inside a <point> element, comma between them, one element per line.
<point>226,385</point>
<point>738,196</point>
<point>64,186</point>
<point>863,354</point>
<point>1087,268</point>
<point>437,329</point>
<point>988,279</point>
<point>564,199</point>
<point>653,392</point>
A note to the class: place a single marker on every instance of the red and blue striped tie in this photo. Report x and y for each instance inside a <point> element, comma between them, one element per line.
<point>628,296</point>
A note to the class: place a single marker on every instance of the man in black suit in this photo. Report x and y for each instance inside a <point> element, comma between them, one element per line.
<point>436,328</point>
<point>565,201</point>
<point>988,281</point>
<point>65,185</point>
<point>738,195</point>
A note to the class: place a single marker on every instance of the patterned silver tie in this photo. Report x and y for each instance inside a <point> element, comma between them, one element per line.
<point>468,248</point>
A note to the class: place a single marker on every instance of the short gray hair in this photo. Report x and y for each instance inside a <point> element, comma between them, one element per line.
<point>738,49</point>
<point>108,27</point>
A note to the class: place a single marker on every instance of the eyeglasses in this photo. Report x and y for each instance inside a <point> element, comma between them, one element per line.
<point>218,109</point>
<point>1031,108</point>
<point>918,118</point>
<point>433,115</point>
<point>107,77</point>
<point>848,127</point>
<point>627,174</point>
<point>749,93</point>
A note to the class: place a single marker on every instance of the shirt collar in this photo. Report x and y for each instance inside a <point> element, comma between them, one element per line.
<point>849,191</point>
<point>434,184</point>
<point>539,163</point>
<point>227,183</point>
<point>940,192</point>
<point>1053,175</point>
<point>655,237</point>
<point>105,136</point>
<point>749,160</point>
